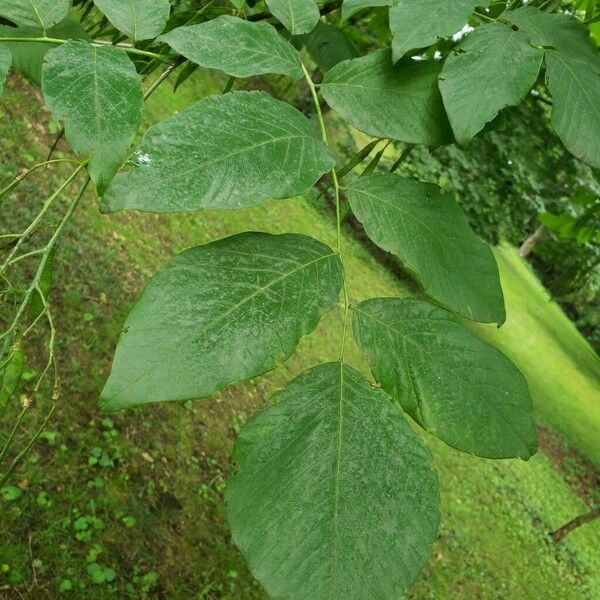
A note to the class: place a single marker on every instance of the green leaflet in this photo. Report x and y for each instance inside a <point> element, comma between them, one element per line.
<point>10,376</point>
<point>28,57</point>
<point>402,103</point>
<point>139,19</point>
<point>575,89</point>
<point>555,30</point>
<point>430,234</point>
<point>494,67</point>
<point>98,93</point>
<point>420,23</point>
<point>349,7</point>
<point>297,16</point>
<point>456,386</point>
<point>5,61</point>
<point>41,14</point>
<point>221,313</point>
<point>237,47</point>
<point>328,45</point>
<point>226,151</point>
<point>335,497</point>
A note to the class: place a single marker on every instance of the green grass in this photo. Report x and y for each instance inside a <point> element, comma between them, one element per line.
<point>141,493</point>
<point>563,371</point>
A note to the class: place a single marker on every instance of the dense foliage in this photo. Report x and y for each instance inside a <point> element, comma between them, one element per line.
<point>515,178</point>
<point>334,494</point>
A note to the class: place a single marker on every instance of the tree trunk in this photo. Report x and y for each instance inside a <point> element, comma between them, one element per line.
<point>559,534</point>
<point>530,243</point>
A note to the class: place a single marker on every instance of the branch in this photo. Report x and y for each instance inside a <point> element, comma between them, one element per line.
<point>96,44</point>
<point>593,514</point>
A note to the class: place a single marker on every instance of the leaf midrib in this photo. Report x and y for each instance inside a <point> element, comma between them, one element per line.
<point>200,166</point>
<point>422,349</point>
<point>237,306</point>
<point>336,492</point>
<point>558,56</point>
<point>37,14</point>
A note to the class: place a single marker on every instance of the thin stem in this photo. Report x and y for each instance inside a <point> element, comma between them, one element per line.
<point>97,44</point>
<point>163,76</point>
<point>59,136</point>
<point>13,184</point>
<point>49,202</point>
<point>27,255</point>
<point>338,212</point>
<point>13,431</point>
<point>45,257</point>
<point>17,460</point>
<point>51,342</point>
<point>51,358</point>
<point>484,18</point>
<point>228,85</point>
<point>402,158</point>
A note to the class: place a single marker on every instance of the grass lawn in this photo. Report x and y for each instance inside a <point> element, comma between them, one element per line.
<point>131,505</point>
<point>562,369</point>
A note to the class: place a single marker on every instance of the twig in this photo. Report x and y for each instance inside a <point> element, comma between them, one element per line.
<point>180,60</point>
<point>46,206</point>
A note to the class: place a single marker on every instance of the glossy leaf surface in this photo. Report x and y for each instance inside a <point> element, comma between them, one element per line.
<point>335,496</point>
<point>237,47</point>
<point>420,23</point>
<point>221,313</point>
<point>575,88</point>
<point>98,93</point>
<point>226,151</point>
<point>10,376</point>
<point>456,386</point>
<point>41,14</point>
<point>139,19</point>
<point>430,234</point>
<point>402,102</point>
<point>493,68</point>
<point>5,61</point>
<point>297,16</point>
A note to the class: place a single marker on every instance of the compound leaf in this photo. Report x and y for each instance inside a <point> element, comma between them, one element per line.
<point>237,47</point>
<point>575,88</point>
<point>456,386</point>
<point>420,23</point>
<point>98,93</point>
<point>402,103</point>
<point>226,151</point>
<point>336,496</point>
<point>41,14</point>
<point>5,62</point>
<point>297,16</point>
<point>430,234</point>
<point>10,376</point>
<point>493,68</point>
<point>139,19</point>
<point>221,313</point>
